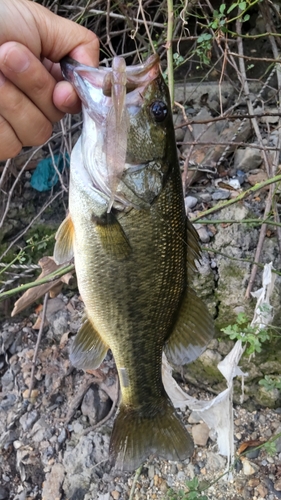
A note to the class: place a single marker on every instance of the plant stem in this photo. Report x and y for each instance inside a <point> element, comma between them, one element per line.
<point>51,277</point>
<point>240,197</point>
<point>169,46</point>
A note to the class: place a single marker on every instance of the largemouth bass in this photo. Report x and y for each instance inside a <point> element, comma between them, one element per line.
<point>134,252</point>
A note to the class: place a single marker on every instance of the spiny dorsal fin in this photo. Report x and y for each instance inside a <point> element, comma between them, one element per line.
<point>112,236</point>
<point>88,349</point>
<point>192,332</point>
<point>63,251</point>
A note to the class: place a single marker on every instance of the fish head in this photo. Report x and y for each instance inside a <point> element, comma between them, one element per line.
<point>128,134</point>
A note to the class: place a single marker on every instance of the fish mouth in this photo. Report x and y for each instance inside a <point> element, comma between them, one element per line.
<point>94,86</point>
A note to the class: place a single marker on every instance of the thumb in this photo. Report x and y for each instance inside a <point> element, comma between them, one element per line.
<point>60,37</point>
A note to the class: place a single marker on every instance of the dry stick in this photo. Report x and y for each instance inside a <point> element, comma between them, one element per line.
<point>146,27</point>
<point>5,170</point>
<point>276,159</point>
<point>113,15</point>
<point>56,169</point>
<point>244,82</point>
<point>38,343</point>
<point>169,48</point>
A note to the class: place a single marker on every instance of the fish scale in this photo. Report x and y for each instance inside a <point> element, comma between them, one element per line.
<point>133,249</point>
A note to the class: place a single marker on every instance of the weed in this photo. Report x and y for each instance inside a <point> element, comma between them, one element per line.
<point>251,336</point>
<point>193,491</point>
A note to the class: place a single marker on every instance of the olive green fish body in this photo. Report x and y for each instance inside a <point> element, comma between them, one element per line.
<point>132,267</point>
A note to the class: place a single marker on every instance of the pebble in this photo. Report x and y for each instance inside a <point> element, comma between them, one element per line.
<point>77,427</point>
<point>204,234</point>
<point>247,159</point>
<point>220,195</point>
<point>256,178</point>
<point>248,468</point>
<point>200,434</point>
<point>253,482</point>
<point>277,485</point>
<point>28,419</point>
<point>4,494</point>
<point>115,494</point>
<point>62,436</point>
<point>190,202</point>
<point>262,490</point>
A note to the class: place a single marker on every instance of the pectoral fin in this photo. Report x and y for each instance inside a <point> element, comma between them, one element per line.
<point>112,236</point>
<point>63,251</point>
<point>88,349</point>
<point>193,330</point>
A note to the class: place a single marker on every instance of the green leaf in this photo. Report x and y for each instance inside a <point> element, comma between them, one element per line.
<point>242,5</point>
<point>222,8</point>
<point>246,18</point>
<point>232,7</point>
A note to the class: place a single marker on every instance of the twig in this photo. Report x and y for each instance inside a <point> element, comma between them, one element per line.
<point>169,47</point>
<point>103,421</point>
<point>38,343</point>
<point>137,475</point>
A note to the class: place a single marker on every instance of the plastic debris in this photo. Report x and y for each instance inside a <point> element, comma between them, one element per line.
<point>218,412</point>
<point>45,175</point>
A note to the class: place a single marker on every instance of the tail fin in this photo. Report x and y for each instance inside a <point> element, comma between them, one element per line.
<point>135,437</point>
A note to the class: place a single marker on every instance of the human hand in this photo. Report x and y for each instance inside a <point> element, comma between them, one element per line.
<point>32,97</point>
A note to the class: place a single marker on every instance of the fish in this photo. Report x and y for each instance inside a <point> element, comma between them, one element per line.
<point>134,252</point>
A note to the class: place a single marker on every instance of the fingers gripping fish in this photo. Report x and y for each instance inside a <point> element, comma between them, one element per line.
<point>134,252</point>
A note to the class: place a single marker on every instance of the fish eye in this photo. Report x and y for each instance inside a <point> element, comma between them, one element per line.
<point>159,110</point>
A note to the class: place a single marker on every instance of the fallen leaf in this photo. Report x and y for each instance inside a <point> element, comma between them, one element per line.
<point>248,444</point>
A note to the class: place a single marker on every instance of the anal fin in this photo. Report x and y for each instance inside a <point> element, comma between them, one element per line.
<point>88,349</point>
<point>63,251</point>
<point>112,236</point>
<point>193,330</point>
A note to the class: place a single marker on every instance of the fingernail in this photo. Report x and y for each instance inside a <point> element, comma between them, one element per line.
<point>2,79</point>
<point>16,60</point>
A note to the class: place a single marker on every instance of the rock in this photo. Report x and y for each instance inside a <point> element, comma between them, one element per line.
<point>7,381</point>
<point>52,486</point>
<point>247,159</point>
<point>253,482</point>
<point>190,202</point>
<point>62,436</point>
<point>215,462</point>
<point>204,234</point>
<point>4,494</point>
<point>277,485</point>
<point>210,357</point>
<point>221,194</point>
<point>115,494</point>
<point>28,419</point>
<point>256,178</point>
<point>95,405</point>
<point>262,490</point>
<point>248,468</point>
<point>200,434</point>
